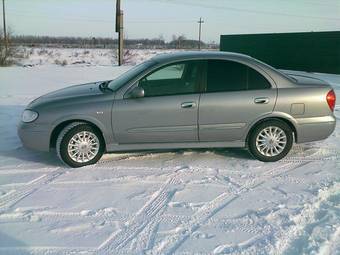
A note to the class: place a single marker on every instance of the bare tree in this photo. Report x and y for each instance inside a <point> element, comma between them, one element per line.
<point>6,53</point>
<point>181,38</point>
<point>174,37</point>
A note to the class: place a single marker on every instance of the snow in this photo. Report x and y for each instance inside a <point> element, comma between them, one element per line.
<point>204,201</point>
<point>42,56</point>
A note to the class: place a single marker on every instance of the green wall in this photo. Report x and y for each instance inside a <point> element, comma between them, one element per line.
<point>311,51</point>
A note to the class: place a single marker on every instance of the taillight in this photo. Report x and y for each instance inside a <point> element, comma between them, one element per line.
<point>331,98</point>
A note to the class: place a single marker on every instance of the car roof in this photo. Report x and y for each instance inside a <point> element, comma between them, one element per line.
<point>167,58</point>
<point>186,55</point>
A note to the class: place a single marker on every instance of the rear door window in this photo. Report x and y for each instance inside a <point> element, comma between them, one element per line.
<point>225,76</point>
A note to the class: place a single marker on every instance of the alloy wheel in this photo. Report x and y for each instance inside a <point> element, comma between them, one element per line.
<point>83,147</point>
<point>271,141</point>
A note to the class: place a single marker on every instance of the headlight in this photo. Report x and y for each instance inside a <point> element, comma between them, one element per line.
<point>29,116</point>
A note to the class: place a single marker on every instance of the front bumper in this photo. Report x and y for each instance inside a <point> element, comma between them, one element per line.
<point>315,129</point>
<point>34,137</point>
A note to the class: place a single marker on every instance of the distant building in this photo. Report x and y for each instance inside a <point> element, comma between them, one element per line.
<point>309,51</point>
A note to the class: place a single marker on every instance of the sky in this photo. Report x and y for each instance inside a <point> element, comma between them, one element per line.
<point>155,18</point>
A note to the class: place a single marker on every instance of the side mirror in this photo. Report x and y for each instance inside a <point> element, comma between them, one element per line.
<point>137,92</point>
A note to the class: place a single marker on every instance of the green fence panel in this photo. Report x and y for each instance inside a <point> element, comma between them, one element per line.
<point>310,51</point>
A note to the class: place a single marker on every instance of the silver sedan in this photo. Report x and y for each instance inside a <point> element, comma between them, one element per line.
<point>182,100</point>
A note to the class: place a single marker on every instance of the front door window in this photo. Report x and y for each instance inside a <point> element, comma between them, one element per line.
<point>175,79</point>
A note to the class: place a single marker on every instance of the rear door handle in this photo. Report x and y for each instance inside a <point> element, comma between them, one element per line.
<point>188,105</point>
<point>261,100</point>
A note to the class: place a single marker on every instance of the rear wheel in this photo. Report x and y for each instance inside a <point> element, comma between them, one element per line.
<point>79,144</point>
<point>271,141</point>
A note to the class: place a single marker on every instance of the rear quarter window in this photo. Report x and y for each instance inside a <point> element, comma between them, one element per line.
<point>256,80</point>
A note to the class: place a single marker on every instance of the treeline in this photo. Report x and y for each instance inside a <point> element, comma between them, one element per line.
<point>180,42</point>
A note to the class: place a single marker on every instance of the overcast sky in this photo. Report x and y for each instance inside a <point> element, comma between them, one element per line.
<point>152,18</point>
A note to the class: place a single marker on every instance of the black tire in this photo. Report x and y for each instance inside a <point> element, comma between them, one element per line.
<point>66,135</point>
<point>256,153</point>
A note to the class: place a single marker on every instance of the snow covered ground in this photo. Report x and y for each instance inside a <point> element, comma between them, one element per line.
<point>214,201</point>
<point>42,56</point>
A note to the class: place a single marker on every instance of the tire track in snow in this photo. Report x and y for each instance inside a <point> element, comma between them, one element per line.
<point>145,239</point>
<point>185,229</point>
<point>7,171</point>
<point>172,242</point>
<point>318,156</point>
<point>149,222</point>
<point>108,215</point>
<point>47,250</point>
<point>115,180</point>
<point>207,211</point>
<point>11,198</point>
<point>265,238</point>
<point>145,216</point>
<point>107,159</point>
<point>312,152</point>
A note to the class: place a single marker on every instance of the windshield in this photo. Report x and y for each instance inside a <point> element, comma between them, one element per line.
<point>129,75</point>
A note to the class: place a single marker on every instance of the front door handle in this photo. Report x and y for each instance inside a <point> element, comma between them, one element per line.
<point>188,105</point>
<point>261,100</point>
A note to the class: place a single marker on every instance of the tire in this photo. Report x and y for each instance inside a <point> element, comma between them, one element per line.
<point>89,144</point>
<point>270,141</point>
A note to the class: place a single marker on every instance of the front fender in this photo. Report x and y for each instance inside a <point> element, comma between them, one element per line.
<point>86,118</point>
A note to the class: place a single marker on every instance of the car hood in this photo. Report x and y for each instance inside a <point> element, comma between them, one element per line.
<point>76,91</point>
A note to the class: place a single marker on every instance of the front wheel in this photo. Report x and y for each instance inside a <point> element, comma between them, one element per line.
<point>271,141</point>
<point>79,144</point>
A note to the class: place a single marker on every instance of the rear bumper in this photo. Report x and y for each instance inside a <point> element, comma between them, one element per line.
<point>33,137</point>
<point>314,129</point>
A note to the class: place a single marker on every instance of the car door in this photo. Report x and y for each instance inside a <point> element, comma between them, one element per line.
<point>168,111</point>
<point>235,96</point>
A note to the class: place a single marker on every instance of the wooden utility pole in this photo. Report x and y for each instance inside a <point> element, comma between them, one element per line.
<point>4,24</point>
<point>200,22</point>
<point>119,30</point>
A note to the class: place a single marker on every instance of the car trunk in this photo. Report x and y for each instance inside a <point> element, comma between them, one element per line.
<point>306,79</point>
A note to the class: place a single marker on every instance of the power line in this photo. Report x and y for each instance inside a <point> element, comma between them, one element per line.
<point>174,20</point>
<point>96,20</point>
<point>242,10</point>
<point>233,9</point>
<point>316,3</point>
